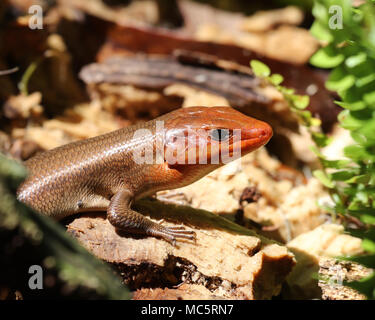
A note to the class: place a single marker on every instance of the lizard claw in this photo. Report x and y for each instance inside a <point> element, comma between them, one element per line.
<point>173,234</point>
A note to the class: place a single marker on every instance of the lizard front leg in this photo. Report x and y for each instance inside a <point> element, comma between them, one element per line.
<point>121,216</point>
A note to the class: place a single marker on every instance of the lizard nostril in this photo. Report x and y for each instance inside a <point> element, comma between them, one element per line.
<point>265,132</point>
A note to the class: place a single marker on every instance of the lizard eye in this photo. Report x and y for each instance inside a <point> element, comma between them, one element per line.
<point>219,134</point>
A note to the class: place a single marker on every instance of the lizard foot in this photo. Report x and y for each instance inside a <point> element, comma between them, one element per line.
<point>172,234</point>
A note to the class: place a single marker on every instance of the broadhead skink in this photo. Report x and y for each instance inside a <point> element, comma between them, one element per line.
<point>108,172</point>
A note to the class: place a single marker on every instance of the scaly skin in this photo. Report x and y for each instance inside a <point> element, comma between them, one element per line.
<point>101,173</point>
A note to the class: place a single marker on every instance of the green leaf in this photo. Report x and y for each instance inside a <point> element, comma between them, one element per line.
<point>365,285</point>
<point>353,97</point>
<point>317,152</point>
<point>368,245</point>
<point>354,61</point>
<point>305,115</point>
<point>365,260</point>
<point>286,91</point>
<point>368,234</point>
<point>335,164</point>
<point>340,80</point>
<point>323,178</point>
<point>357,213</point>
<point>368,218</point>
<point>369,98</point>
<point>363,178</point>
<point>356,152</point>
<point>321,31</point>
<point>365,80</point>
<point>320,11</point>
<point>349,122</point>
<point>359,137</point>
<point>317,123</point>
<point>321,139</point>
<point>300,102</point>
<point>359,105</point>
<point>276,79</point>
<point>342,175</point>
<point>327,58</point>
<point>260,69</point>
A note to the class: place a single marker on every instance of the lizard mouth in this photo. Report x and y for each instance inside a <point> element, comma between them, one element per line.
<point>256,137</point>
<point>252,139</point>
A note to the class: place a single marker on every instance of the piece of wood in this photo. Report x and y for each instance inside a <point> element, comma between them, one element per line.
<point>201,72</point>
<point>227,260</point>
<point>158,72</point>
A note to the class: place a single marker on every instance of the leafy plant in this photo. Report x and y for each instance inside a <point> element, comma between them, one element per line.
<point>349,37</point>
<point>296,102</point>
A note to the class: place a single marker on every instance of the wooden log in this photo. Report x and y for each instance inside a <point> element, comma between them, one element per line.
<point>226,261</point>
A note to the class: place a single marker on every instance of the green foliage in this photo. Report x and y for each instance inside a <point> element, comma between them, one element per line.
<point>350,51</point>
<point>260,69</point>
<point>296,102</point>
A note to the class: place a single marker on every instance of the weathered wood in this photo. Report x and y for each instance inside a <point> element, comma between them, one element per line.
<point>227,260</point>
<point>158,73</point>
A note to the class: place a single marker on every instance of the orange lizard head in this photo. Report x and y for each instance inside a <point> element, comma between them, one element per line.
<point>211,136</point>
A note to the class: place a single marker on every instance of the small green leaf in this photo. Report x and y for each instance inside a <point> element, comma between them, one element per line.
<point>323,178</point>
<point>359,137</point>
<point>355,152</point>
<point>315,122</point>
<point>317,152</point>
<point>321,31</point>
<point>349,122</point>
<point>365,80</point>
<point>340,80</point>
<point>286,91</point>
<point>342,175</point>
<point>335,164</point>
<point>260,69</point>
<point>365,285</point>
<point>361,197</point>
<point>369,98</point>
<point>368,233</point>
<point>354,61</point>
<point>368,245</point>
<point>276,79</point>
<point>321,139</point>
<point>363,178</point>
<point>320,11</point>
<point>368,218</point>
<point>366,260</point>
<point>300,102</point>
<point>327,58</point>
<point>359,105</point>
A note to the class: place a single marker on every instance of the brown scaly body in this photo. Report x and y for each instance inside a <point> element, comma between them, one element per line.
<point>101,172</point>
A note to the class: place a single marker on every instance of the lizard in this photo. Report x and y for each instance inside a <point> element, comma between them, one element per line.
<point>109,172</point>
